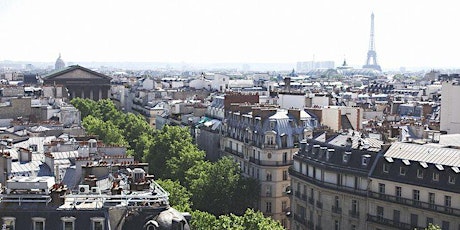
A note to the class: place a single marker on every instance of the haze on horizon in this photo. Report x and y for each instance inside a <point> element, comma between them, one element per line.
<point>407,33</point>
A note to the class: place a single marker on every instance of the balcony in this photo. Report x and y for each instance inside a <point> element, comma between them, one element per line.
<point>391,223</point>
<point>327,185</point>
<point>234,152</point>
<point>270,163</point>
<point>300,219</point>
<point>297,194</point>
<point>354,214</point>
<point>319,204</point>
<point>311,200</point>
<point>310,224</point>
<point>416,203</point>
<point>304,197</point>
<point>336,209</point>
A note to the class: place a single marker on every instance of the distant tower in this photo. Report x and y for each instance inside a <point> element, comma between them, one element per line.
<point>371,62</point>
<point>59,63</point>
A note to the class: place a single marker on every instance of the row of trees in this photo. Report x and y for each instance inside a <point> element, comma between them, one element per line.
<point>216,193</point>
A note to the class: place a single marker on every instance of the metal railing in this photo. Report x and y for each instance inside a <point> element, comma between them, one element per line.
<point>336,209</point>
<point>392,223</point>
<point>416,203</point>
<point>354,214</point>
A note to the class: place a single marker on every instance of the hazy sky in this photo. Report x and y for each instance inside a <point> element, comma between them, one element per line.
<point>408,33</point>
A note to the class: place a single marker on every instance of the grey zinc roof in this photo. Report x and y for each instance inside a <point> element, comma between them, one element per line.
<point>424,153</point>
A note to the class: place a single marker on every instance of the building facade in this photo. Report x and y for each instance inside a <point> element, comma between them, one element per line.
<point>263,140</point>
<point>330,181</point>
<point>81,82</point>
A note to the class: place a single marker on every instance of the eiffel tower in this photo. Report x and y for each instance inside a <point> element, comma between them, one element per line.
<point>371,62</point>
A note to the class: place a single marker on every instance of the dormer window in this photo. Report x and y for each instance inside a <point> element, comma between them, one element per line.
<point>272,124</point>
<point>346,157</point>
<point>385,168</point>
<point>451,179</point>
<point>329,153</point>
<point>419,173</point>
<point>315,149</point>
<point>365,159</point>
<point>402,171</point>
<point>435,176</point>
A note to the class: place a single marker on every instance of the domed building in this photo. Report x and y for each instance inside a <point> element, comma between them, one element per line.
<point>59,63</point>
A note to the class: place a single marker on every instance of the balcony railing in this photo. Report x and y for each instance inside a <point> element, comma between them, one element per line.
<point>304,197</point>
<point>354,214</point>
<point>311,200</point>
<point>270,163</point>
<point>297,194</point>
<point>234,152</point>
<point>391,223</point>
<point>300,219</point>
<point>310,224</point>
<point>319,204</point>
<point>336,209</point>
<point>328,185</point>
<point>416,203</point>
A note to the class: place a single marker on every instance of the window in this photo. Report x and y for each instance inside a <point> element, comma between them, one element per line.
<point>285,175</point>
<point>419,173</point>
<point>381,188</point>
<point>398,191</point>
<point>431,199</point>
<point>445,225</point>
<point>68,223</point>
<point>354,206</point>
<point>337,201</point>
<point>268,207</point>
<point>451,179</point>
<point>97,223</point>
<point>365,160</point>
<point>385,168</point>
<point>402,171</point>
<point>268,190</point>
<point>396,216</point>
<point>346,157</point>
<point>435,176</point>
<point>284,222</point>
<point>429,221</point>
<point>379,212</point>
<point>337,225</point>
<point>416,196</point>
<point>9,223</point>
<point>413,220</point>
<point>38,223</point>
<point>269,176</point>
<point>447,201</point>
<point>284,205</point>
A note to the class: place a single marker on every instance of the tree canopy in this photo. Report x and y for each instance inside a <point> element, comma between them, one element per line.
<point>208,189</point>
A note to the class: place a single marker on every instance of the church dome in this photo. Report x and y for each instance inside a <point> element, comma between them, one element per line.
<point>59,63</point>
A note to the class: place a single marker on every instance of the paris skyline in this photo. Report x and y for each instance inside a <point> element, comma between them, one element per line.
<point>407,33</point>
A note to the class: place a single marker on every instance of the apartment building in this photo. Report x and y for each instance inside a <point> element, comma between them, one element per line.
<point>263,139</point>
<point>414,185</point>
<point>330,180</point>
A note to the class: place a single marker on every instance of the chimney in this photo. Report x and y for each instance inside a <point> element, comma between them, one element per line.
<point>25,155</point>
<point>296,114</point>
<point>49,160</point>
<point>57,191</point>
<point>287,83</point>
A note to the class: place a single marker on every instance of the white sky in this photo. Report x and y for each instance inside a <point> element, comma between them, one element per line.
<point>410,33</point>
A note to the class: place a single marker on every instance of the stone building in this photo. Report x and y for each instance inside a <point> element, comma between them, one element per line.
<point>330,181</point>
<point>262,140</point>
<point>80,82</point>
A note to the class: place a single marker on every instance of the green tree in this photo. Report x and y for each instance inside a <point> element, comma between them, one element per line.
<point>432,227</point>
<point>251,220</point>
<point>223,185</point>
<point>106,131</point>
<point>167,144</point>
<point>179,197</point>
<point>85,106</point>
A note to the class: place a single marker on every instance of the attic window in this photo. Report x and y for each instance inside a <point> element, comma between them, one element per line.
<point>365,159</point>
<point>346,157</point>
<point>435,176</point>
<point>329,153</point>
<point>385,168</point>
<point>419,173</point>
<point>272,124</point>
<point>451,179</point>
<point>402,171</point>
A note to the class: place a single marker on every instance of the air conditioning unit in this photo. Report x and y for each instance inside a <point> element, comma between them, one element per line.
<point>83,189</point>
<point>95,190</point>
